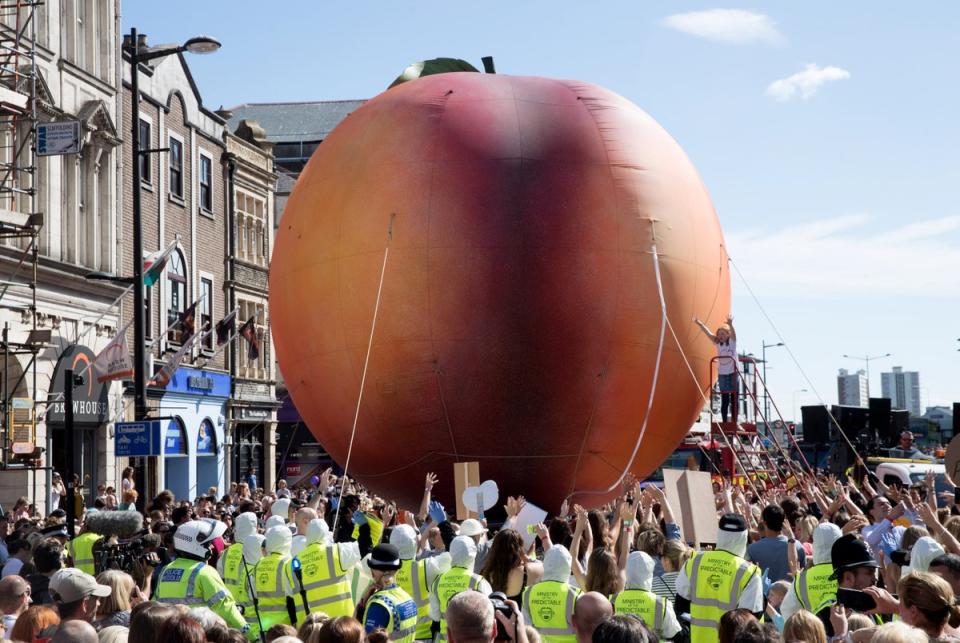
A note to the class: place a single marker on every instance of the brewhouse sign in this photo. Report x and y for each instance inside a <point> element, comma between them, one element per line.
<point>90,401</point>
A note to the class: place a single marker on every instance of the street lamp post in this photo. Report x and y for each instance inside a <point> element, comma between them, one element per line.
<point>766,393</point>
<point>135,46</point>
<point>866,359</point>
<point>794,409</point>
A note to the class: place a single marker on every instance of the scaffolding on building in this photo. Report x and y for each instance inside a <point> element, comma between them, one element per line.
<point>20,226</point>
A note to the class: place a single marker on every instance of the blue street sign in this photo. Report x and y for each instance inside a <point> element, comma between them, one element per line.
<point>138,438</point>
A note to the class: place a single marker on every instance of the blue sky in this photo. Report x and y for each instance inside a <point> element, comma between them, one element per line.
<point>837,187</point>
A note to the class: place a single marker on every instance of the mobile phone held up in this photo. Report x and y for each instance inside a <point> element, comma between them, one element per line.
<point>856,600</point>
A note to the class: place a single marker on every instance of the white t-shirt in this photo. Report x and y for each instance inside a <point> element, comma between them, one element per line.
<point>727,351</point>
<point>54,501</point>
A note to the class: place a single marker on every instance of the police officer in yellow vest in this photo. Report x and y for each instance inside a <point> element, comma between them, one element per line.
<point>388,606</point>
<point>275,584</point>
<point>714,582</point>
<point>252,553</point>
<point>548,605</point>
<point>188,580</point>
<point>853,568</point>
<point>231,562</point>
<point>638,599</point>
<point>459,578</point>
<point>325,571</point>
<point>417,577</point>
<point>80,550</point>
<point>814,584</point>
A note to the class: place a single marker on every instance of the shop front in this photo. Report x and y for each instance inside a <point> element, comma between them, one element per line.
<point>193,405</point>
<point>91,414</point>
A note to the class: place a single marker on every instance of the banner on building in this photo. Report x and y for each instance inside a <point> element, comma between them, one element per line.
<point>113,362</point>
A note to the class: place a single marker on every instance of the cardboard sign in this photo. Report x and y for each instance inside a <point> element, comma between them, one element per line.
<point>527,520</point>
<point>951,460</point>
<point>690,494</point>
<point>465,474</point>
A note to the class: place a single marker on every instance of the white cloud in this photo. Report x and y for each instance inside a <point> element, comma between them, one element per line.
<point>806,83</point>
<point>731,26</point>
<point>846,256</point>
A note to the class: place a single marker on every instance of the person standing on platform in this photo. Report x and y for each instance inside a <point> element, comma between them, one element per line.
<point>726,341</point>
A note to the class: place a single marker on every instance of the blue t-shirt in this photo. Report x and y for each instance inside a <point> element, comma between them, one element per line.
<point>771,555</point>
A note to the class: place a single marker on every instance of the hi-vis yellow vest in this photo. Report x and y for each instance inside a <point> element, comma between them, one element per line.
<point>81,551</point>
<point>449,584</point>
<point>717,579</point>
<point>234,575</point>
<point>269,585</point>
<point>649,607</point>
<point>376,529</point>
<point>194,583</point>
<point>325,580</point>
<point>412,578</point>
<point>550,605</point>
<point>402,610</point>
<point>814,585</point>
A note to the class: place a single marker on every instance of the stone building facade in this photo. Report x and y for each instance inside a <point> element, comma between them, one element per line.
<point>75,77</point>
<point>252,413</point>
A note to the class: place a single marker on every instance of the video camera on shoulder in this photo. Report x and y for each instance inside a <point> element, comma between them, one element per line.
<point>499,600</point>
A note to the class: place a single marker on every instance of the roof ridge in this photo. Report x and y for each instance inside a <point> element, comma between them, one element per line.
<point>301,102</point>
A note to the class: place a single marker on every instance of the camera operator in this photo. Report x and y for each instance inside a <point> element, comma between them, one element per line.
<point>471,618</point>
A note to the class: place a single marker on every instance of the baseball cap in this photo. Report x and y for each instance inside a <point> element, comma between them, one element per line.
<point>70,584</point>
<point>732,522</point>
<point>472,527</point>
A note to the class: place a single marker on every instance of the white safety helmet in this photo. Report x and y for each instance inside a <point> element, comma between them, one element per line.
<point>279,540</point>
<point>193,538</point>
<point>253,548</point>
<point>274,521</point>
<point>317,531</point>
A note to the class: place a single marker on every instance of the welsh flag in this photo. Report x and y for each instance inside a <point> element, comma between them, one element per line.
<point>154,263</point>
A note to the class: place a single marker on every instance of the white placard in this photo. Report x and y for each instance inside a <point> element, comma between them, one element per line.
<point>479,499</point>
<point>530,515</point>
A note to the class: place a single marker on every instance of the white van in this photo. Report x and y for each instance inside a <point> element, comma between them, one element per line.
<point>906,473</point>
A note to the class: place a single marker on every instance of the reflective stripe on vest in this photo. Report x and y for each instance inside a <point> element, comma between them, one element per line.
<point>646,605</point>
<point>412,577</point>
<point>325,581</point>
<point>449,584</point>
<point>174,590</point>
<point>717,579</point>
<point>550,605</point>
<point>269,587</point>
<point>402,610</point>
<point>813,585</point>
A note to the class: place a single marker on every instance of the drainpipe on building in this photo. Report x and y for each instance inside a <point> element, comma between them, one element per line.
<point>234,456</point>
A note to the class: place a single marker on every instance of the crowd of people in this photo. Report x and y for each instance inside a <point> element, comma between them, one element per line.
<point>825,560</point>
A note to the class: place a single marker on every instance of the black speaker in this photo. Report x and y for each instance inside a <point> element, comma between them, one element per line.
<point>880,420</point>
<point>816,424</point>
<point>956,418</point>
<point>900,421</point>
<point>852,419</point>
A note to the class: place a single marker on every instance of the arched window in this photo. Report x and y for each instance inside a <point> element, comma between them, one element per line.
<point>176,294</point>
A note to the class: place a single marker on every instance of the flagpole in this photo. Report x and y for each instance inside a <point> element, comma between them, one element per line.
<point>102,315</point>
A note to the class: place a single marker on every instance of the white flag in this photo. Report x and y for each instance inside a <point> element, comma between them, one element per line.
<point>113,362</point>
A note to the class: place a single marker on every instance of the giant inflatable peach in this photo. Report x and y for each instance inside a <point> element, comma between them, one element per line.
<point>520,323</point>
